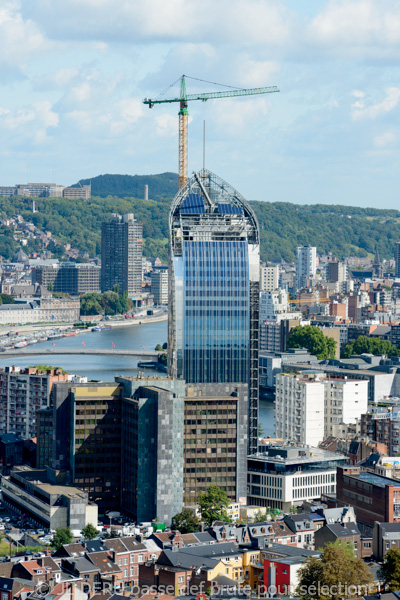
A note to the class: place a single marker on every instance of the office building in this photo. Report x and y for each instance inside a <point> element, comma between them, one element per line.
<point>282,476</point>
<point>374,498</point>
<point>306,264</point>
<point>215,448</point>
<point>22,393</point>
<point>121,442</point>
<point>121,254</point>
<point>311,406</point>
<point>269,278</point>
<point>152,434</point>
<point>82,191</point>
<point>159,285</point>
<point>213,324</point>
<point>44,497</point>
<point>68,278</point>
<point>39,190</point>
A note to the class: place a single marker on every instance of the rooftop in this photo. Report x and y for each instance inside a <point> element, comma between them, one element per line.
<point>292,454</point>
<point>377,479</point>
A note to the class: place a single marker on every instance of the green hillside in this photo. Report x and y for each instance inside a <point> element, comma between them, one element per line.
<point>343,230</point>
<point>163,186</point>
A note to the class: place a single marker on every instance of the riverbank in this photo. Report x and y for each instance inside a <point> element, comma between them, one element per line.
<point>34,327</point>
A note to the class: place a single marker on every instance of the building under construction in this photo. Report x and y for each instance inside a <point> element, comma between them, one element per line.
<point>214,289</point>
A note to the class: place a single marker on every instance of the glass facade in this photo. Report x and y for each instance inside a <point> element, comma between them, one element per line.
<point>216,311</point>
<point>214,289</point>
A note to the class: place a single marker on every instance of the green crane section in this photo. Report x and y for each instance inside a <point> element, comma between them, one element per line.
<point>183,115</point>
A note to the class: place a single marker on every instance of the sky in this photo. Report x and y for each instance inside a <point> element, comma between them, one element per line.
<point>74,73</point>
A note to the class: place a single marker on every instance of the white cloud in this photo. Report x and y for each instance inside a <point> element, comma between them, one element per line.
<point>367,27</point>
<point>362,111</point>
<point>252,21</point>
<point>166,125</point>
<point>30,122</point>
<point>385,139</point>
<point>20,39</point>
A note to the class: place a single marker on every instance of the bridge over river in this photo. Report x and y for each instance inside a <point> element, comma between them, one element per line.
<point>21,352</point>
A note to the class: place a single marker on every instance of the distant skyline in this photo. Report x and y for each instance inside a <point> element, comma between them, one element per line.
<point>73,74</point>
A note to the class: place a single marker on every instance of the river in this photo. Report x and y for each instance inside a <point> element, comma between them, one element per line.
<point>104,368</point>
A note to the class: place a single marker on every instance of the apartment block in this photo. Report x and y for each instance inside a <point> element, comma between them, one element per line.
<point>311,406</point>
<point>159,285</point>
<point>269,278</point>
<point>22,393</point>
<point>121,254</point>
<point>300,408</point>
<point>306,264</point>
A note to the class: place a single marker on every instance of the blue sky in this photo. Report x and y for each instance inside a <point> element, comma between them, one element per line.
<point>73,74</point>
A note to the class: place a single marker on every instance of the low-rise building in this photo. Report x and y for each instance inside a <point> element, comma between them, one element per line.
<point>386,536</point>
<point>285,475</point>
<point>49,503</point>
<point>44,310</point>
<point>374,498</point>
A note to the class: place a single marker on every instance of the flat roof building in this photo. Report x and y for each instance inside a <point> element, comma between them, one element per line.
<point>282,476</point>
<point>46,499</point>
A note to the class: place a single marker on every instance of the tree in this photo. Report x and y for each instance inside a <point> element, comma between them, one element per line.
<point>213,504</point>
<point>389,572</point>
<point>50,287</point>
<point>260,516</point>
<point>7,299</point>
<point>338,573</point>
<point>314,340</point>
<point>62,536</point>
<point>158,348</point>
<point>89,532</point>
<point>185,522</point>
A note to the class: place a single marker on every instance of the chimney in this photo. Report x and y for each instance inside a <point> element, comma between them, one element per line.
<point>146,192</point>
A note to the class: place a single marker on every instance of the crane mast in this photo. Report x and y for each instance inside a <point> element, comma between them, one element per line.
<point>184,116</point>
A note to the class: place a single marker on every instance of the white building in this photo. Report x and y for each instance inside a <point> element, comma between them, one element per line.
<point>285,475</point>
<point>306,264</point>
<point>159,286</point>
<point>274,307</point>
<point>300,408</point>
<point>345,401</point>
<point>310,406</point>
<point>269,278</point>
<point>45,310</point>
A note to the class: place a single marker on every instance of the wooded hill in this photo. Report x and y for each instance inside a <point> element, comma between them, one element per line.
<point>343,230</point>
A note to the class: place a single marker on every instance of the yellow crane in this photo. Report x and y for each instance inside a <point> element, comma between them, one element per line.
<point>183,114</point>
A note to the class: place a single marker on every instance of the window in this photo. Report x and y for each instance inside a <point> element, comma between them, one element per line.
<point>140,558</point>
<point>132,558</point>
<point>120,562</point>
<point>132,571</point>
<point>181,579</point>
<point>125,572</point>
<point>126,560</point>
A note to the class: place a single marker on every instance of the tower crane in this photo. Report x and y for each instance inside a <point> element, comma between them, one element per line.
<point>184,114</point>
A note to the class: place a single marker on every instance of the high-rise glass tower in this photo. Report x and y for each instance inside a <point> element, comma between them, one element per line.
<point>214,289</point>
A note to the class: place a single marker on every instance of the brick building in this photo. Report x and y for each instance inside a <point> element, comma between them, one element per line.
<point>373,497</point>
